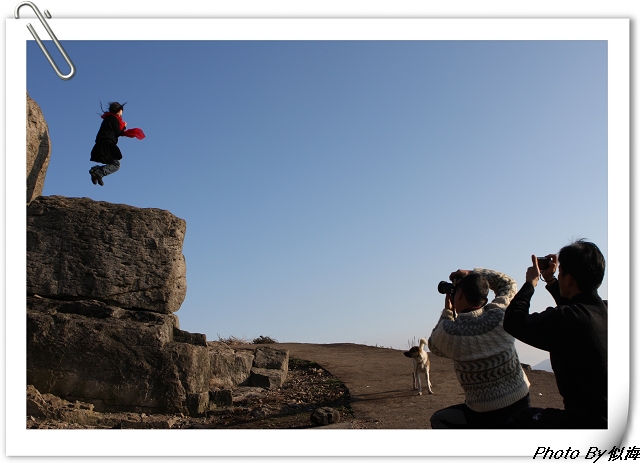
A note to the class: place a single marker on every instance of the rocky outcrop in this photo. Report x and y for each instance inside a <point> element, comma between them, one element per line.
<point>38,149</point>
<point>265,367</point>
<point>80,249</point>
<point>103,281</point>
<point>229,367</point>
<point>64,414</point>
<point>113,358</point>
<point>52,407</point>
<point>308,387</point>
<point>270,367</point>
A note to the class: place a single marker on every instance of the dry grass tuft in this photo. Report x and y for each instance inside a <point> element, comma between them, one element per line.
<point>235,341</point>
<point>264,340</point>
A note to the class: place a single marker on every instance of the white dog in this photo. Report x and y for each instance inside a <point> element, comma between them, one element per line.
<point>421,364</point>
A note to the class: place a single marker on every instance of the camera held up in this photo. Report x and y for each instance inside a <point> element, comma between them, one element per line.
<point>445,287</point>
<point>543,263</point>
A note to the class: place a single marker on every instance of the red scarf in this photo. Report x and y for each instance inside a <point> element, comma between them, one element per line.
<point>131,133</point>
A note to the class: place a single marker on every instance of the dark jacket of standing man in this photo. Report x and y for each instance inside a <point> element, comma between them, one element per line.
<point>574,333</point>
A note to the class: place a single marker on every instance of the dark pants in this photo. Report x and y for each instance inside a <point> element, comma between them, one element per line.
<point>107,169</point>
<point>108,153</point>
<point>462,417</point>
<point>550,418</point>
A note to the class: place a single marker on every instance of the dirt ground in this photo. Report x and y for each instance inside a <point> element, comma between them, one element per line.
<point>380,383</point>
<point>371,387</point>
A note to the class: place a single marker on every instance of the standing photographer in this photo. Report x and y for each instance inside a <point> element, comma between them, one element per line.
<point>574,333</point>
<point>484,355</point>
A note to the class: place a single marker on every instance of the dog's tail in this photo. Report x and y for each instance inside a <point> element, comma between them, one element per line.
<point>423,342</point>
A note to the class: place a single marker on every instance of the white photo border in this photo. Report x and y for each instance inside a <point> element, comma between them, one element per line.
<point>20,441</point>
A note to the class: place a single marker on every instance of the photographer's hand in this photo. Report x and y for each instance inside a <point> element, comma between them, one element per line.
<point>447,303</point>
<point>459,274</point>
<point>533,272</point>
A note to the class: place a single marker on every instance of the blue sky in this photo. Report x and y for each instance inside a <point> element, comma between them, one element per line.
<point>328,186</point>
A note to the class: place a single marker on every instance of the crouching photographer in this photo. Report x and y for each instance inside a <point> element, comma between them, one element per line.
<point>484,356</point>
<point>574,333</point>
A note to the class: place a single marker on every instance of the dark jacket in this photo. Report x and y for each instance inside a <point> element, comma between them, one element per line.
<point>106,148</point>
<point>575,335</point>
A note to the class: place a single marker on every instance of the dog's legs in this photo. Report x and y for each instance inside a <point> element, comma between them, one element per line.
<point>419,383</point>
<point>415,380</point>
<point>426,373</point>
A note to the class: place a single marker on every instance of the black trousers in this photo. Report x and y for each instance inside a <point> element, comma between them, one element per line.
<point>462,417</point>
<point>551,418</point>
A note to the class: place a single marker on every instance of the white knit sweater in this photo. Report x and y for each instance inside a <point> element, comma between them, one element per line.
<point>483,353</point>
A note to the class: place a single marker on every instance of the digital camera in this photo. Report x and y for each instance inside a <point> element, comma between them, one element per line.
<point>543,263</point>
<point>445,287</point>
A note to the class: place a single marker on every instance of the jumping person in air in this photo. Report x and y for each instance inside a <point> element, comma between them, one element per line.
<point>106,148</point>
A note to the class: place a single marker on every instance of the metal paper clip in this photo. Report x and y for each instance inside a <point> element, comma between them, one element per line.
<point>53,37</point>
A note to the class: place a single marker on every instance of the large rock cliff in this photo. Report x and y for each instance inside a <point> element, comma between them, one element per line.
<point>121,255</point>
<point>102,283</point>
<point>113,358</point>
<point>38,149</point>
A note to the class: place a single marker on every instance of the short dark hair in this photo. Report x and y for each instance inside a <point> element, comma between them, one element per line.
<point>475,288</point>
<point>114,106</point>
<point>584,262</point>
